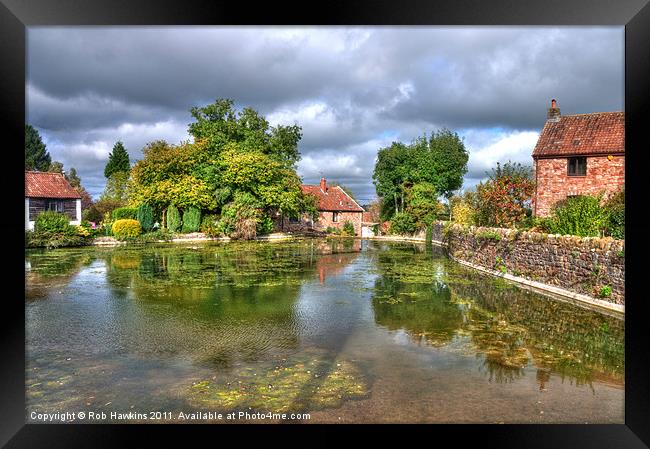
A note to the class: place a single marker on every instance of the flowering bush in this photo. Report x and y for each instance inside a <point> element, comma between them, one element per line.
<point>126,228</point>
<point>504,200</point>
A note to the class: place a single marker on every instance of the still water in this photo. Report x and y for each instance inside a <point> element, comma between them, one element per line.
<point>342,329</point>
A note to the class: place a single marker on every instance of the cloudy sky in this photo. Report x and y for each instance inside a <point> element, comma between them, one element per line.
<point>353,90</point>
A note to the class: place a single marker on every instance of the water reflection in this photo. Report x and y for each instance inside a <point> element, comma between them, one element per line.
<point>297,325</point>
<point>510,328</point>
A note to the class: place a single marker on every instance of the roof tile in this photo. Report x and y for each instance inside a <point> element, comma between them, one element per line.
<point>582,134</point>
<point>48,185</point>
<point>333,199</point>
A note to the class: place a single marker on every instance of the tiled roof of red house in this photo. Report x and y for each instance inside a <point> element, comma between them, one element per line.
<point>48,185</point>
<point>369,217</point>
<point>582,134</point>
<point>332,198</point>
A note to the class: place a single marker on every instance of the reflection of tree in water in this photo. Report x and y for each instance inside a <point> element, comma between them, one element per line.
<point>569,340</point>
<point>424,312</point>
<point>509,327</point>
<point>48,268</point>
<point>220,303</point>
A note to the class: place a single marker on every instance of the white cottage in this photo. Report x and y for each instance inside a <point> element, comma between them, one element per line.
<point>50,191</point>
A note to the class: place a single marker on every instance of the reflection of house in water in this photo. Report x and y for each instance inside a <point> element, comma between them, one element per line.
<point>335,256</point>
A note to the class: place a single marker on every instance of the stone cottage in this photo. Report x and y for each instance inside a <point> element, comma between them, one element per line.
<point>335,207</point>
<point>46,191</point>
<point>579,154</point>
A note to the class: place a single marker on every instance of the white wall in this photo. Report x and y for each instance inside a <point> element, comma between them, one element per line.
<point>29,225</point>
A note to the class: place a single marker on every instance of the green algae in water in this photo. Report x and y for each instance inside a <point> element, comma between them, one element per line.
<point>295,386</point>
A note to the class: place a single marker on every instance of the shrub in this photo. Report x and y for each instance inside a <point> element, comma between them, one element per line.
<point>39,239</point>
<point>126,228</point>
<point>191,219</point>
<point>145,217</point>
<point>348,228</point>
<point>89,228</point>
<point>210,225</point>
<point>332,230</point>
<point>173,219</point>
<point>265,225</point>
<point>579,215</point>
<point>240,218</point>
<point>124,212</point>
<point>152,237</point>
<point>53,222</point>
<point>462,213</point>
<point>615,208</point>
<point>97,212</point>
<point>402,223</point>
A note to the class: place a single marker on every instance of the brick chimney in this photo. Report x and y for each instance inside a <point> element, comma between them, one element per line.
<point>323,185</point>
<point>553,112</point>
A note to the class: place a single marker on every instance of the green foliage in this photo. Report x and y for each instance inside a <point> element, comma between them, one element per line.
<point>402,223</point>
<point>438,164</point>
<point>73,178</point>
<point>145,216</point>
<point>579,215</point>
<point>117,187</point>
<point>118,161</point>
<point>488,235</point>
<point>348,228</point>
<point>332,230</point>
<point>55,167</point>
<point>173,219</point>
<point>219,123</point>
<point>210,225</point>
<point>125,212</point>
<point>53,222</point>
<point>615,208</point>
<point>240,218</point>
<point>101,209</point>
<point>126,228</point>
<point>151,237</point>
<point>36,156</point>
<point>605,291</point>
<point>191,219</point>
<point>89,229</point>
<point>423,204</point>
<point>505,199</point>
<point>53,230</point>
<point>49,240</point>
<point>264,225</point>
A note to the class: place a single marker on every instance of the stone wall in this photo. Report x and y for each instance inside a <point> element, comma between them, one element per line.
<point>586,265</point>
<point>604,174</point>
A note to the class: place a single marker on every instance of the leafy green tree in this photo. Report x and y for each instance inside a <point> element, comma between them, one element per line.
<point>392,173</point>
<point>580,215</point>
<point>73,178</point>
<point>36,156</point>
<point>219,124</point>
<point>423,204</point>
<point>117,187</point>
<point>443,162</point>
<point>56,167</point>
<point>118,160</point>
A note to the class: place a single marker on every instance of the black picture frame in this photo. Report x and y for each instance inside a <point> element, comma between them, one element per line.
<point>16,15</point>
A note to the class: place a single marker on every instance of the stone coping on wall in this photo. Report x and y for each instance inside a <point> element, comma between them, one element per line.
<point>558,292</point>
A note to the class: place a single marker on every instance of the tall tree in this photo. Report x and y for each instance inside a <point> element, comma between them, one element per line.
<point>219,124</point>
<point>73,178</point>
<point>444,162</point>
<point>118,160</point>
<point>56,167</point>
<point>36,156</point>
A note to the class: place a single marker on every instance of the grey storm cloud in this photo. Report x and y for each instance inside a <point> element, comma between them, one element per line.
<point>353,90</point>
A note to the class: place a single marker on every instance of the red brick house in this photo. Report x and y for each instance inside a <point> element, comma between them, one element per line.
<point>50,191</point>
<point>580,154</point>
<point>335,207</point>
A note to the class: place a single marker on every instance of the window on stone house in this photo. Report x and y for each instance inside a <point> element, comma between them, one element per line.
<point>577,166</point>
<point>335,217</point>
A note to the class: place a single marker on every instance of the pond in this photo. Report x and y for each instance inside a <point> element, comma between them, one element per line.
<point>342,329</point>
